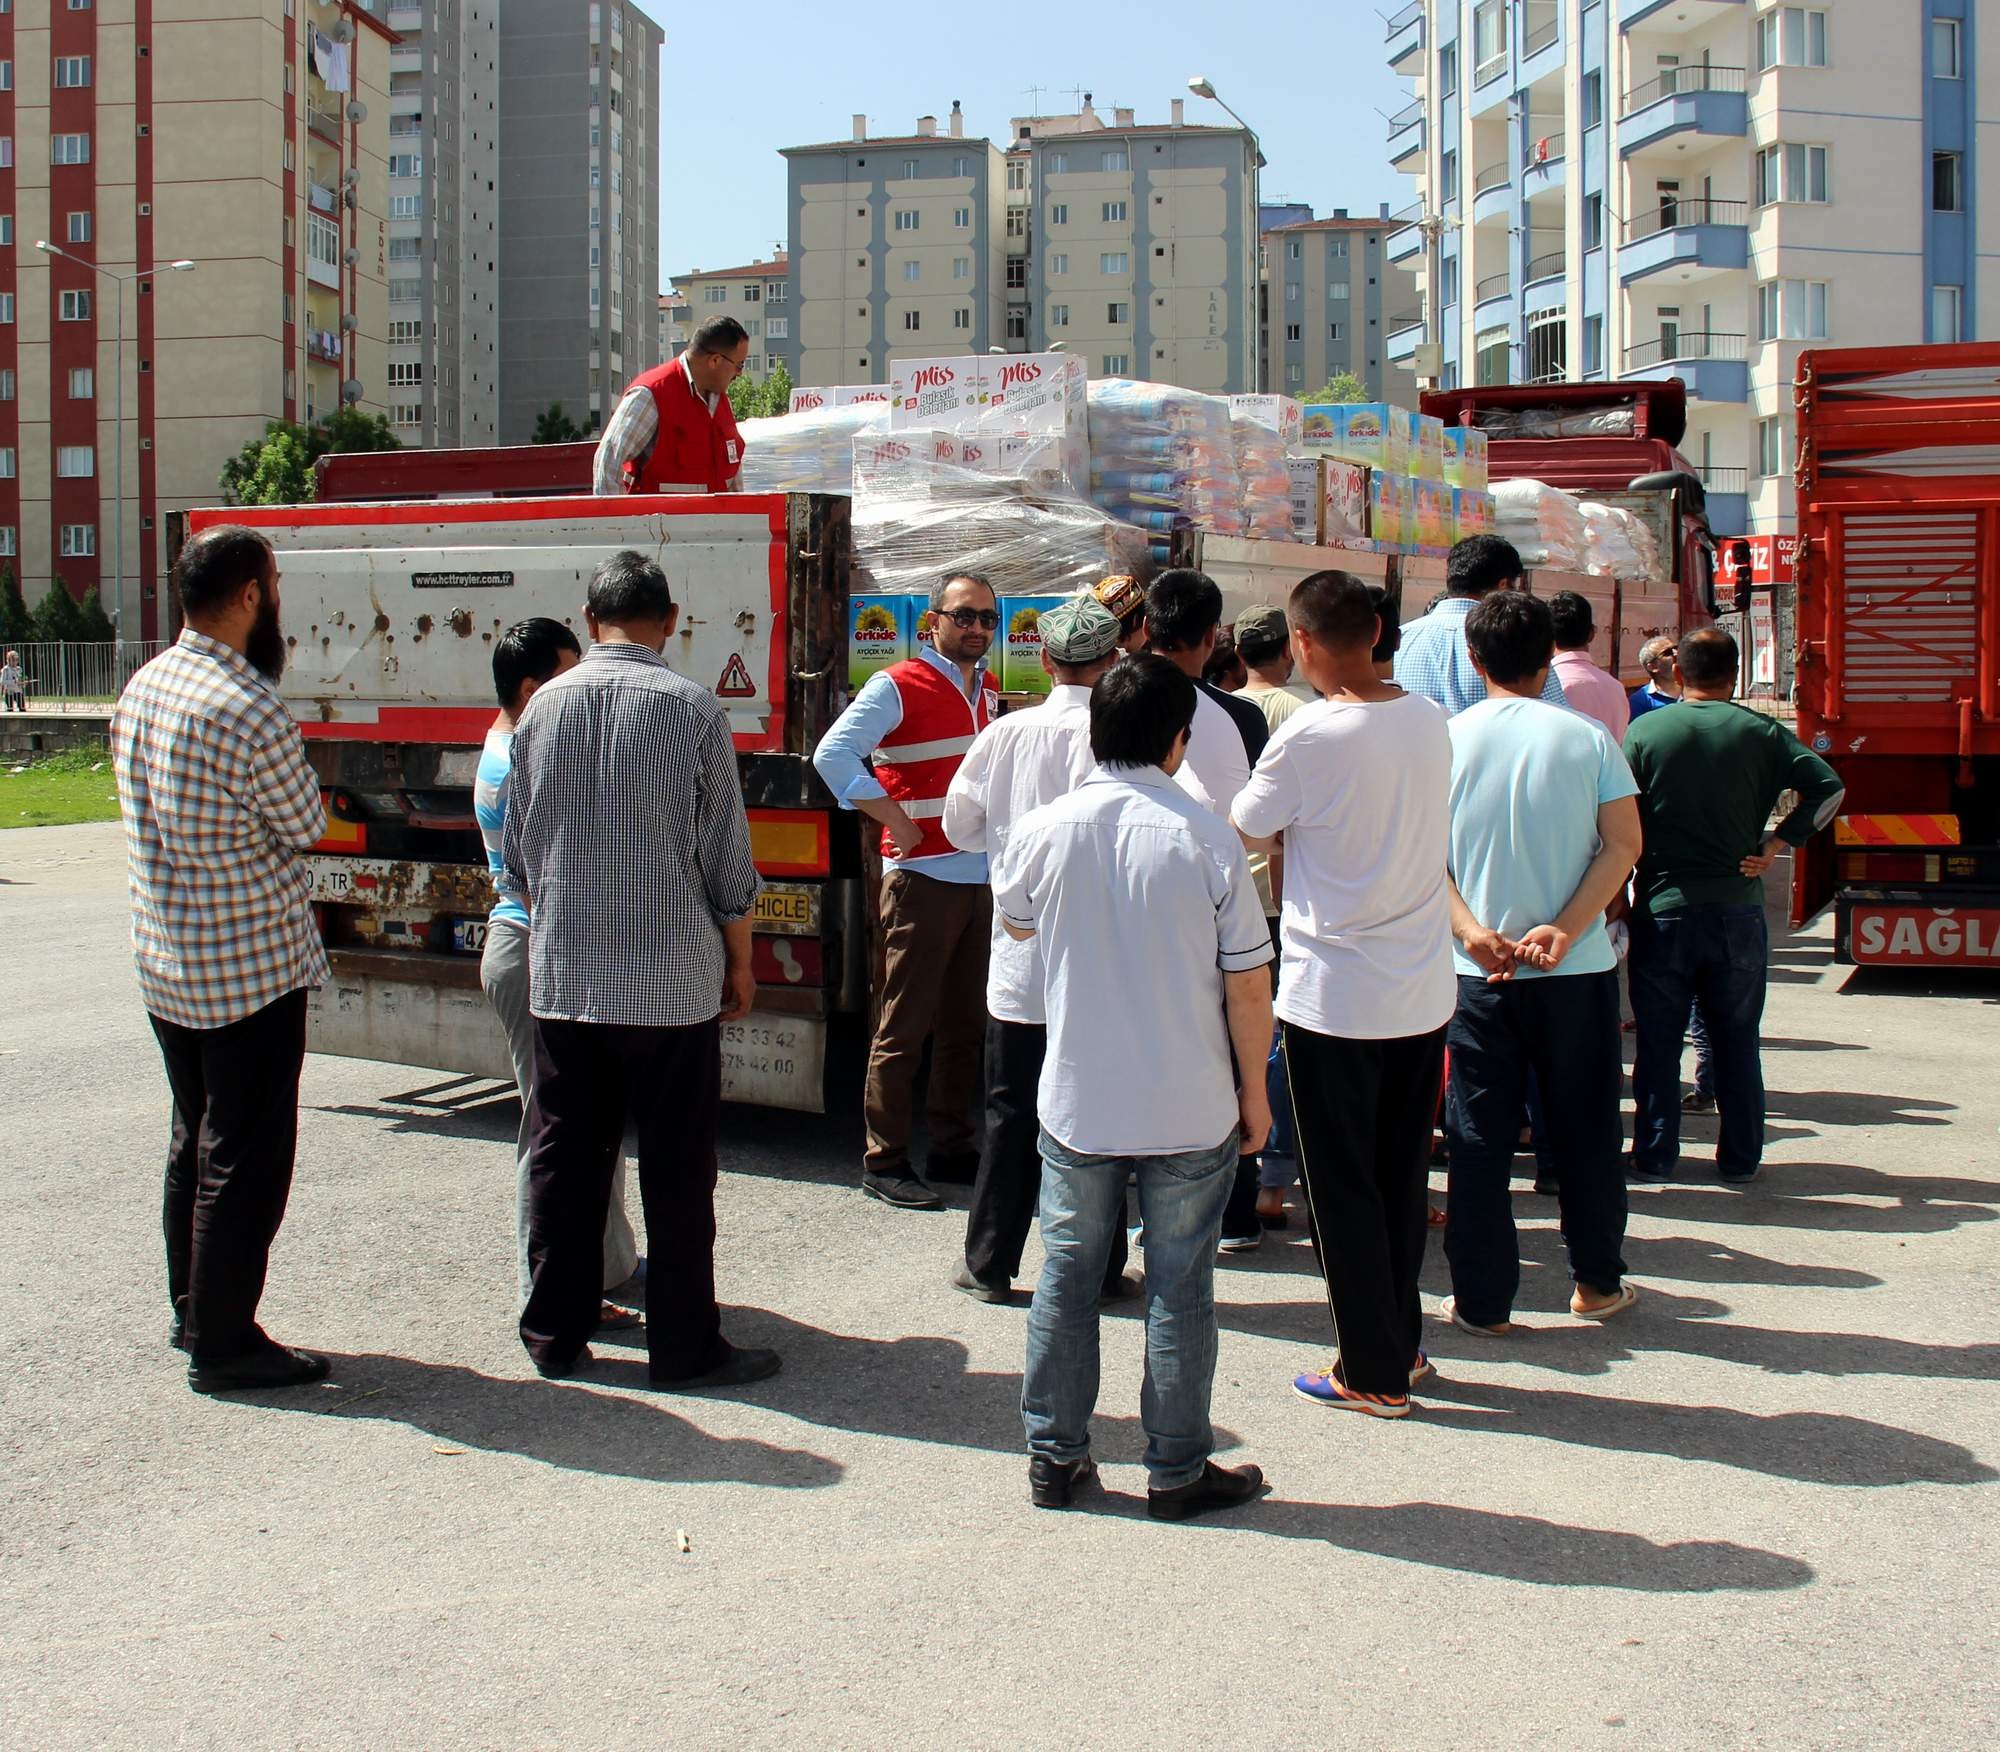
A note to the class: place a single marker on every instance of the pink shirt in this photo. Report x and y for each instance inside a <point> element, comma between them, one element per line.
<point>1594,692</point>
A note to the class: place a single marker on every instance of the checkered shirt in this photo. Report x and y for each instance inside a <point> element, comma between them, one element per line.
<point>625,824</point>
<point>1433,661</point>
<point>218,802</point>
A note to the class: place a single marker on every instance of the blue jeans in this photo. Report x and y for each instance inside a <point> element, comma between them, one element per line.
<point>1181,1199</point>
<point>1277,1163</point>
<point>1712,957</point>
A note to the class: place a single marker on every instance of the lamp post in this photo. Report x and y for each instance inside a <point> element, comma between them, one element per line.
<point>1202,86</point>
<point>118,440</point>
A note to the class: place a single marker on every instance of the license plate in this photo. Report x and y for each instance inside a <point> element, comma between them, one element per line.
<point>787,909</point>
<point>468,936</point>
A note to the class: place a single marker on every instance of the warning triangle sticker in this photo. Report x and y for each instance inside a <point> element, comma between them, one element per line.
<point>736,683</point>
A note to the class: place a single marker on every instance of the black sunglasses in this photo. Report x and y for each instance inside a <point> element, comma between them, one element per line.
<point>969,618</point>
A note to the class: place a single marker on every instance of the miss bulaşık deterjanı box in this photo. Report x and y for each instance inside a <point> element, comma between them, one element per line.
<point>880,631</point>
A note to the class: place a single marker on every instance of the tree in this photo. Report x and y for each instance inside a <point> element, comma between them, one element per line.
<point>95,624</point>
<point>17,625</point>
<point>778,390</point>
<point>277,469</point>
<point>759,401</point>
<point>57,615</point>
<point>1342,386</point>
<point>553,426</point>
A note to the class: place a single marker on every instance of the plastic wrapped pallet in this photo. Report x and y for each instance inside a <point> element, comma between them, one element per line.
<point>1618,544</point>
<point>1164,458</point>
<point>1263,479</point>
<point>1006,407</point>
<point>1544,523</point>
<point>914,518</point>
<point>808,452</point>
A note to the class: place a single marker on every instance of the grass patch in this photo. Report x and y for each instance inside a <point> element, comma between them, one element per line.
<point>59,789</point>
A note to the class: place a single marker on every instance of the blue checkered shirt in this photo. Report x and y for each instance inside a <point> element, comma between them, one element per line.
<point>218,802</point>
<point>1434,662</point>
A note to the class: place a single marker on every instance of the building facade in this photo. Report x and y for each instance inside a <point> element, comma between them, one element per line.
<point>758,294</point>
<point>1331,297</point>
<point>134,136</point>
<point>1694,189</point>
<point>1132,246</point>
<point>675,326</point>
<point>579,262</point>
<point>444,156</point>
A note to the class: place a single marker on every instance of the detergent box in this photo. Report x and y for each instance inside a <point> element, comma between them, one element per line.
<point>1019,664</point>
<point>1281,413</point>
<point>879,630</point>
<point>1465,457</point>
<point>1329,501</point>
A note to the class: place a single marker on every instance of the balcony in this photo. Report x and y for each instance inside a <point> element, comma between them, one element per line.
<point>1541,42</point>
<point>1689,15</point>
<point>1405,334</point>
<point>1711,364</point>
<point>323,345</point>
<point>1495,288</point>
<point>1406,132</point>
<point>1724,480</point>
<point>1708,102</point>
<point>323,122</point>
<point>1542,161</point>
<point>1493,194</point>
<point>321,199</point>
<point>1694,238</point>
<point>1546,284</point>
<point>1406,36</point>
<point>1407,239</point>
<point>1728,491</point>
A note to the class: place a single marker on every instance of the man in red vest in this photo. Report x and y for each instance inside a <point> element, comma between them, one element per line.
<point>914,721</point>
<point>674,426</point>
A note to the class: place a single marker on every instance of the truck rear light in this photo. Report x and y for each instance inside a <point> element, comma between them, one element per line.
<point>346,831</point>
<point>790,842</point>
<point>1875,867</point>
<point>779,961</point>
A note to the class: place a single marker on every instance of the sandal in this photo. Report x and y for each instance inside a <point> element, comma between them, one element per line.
<point>1436,1218</point>
<point>1626,1296</point>
<point>612,1318</point>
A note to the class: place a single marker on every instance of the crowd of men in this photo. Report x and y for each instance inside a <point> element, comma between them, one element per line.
<point>1191,930</point>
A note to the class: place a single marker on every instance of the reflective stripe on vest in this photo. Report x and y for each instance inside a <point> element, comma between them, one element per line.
<point>937,727</point>
<point>909,753</point>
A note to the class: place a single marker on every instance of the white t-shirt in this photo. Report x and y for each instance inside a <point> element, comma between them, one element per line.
<point>1362,794</point>
<point>1017,763</point>
<point>1215,767</point>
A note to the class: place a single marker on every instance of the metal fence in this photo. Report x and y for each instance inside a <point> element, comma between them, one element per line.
<point>73,670</point>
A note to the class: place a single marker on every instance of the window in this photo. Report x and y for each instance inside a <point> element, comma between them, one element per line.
<point>1017,221</point>
<point>961,318</point>
<point>1114,160</point>
<point>69,149</point>
<point>1059,262</point>
<point>1058,162</point>
<point>1946,305</point>
<point>1448,70</point>
<point>1593,99</point>
<point>82,383</point>
<point>6,151</point>
<point>406,206</point>
<point>1115,213</point>
<point>777,292</point>
<point>8,388</point>
<point>1017,173</point>
<point>7,230</point>
<point>1791,36</point>
<point>76,461</point>
<point>596,177</point>
<point>1337,291</point>
<point>593,215</point>
<point>7,541</point>
<point>79,228</point>
<point>913,320</point>
<point>79,540</point>
<point>6,307</point>
<point>1489,40</point>
<point>1294,331</point>
<point>1770,446</point>
<point>715,294</point>
<point>913,271</point>
<point>1059,213</point>
<point>72,70</point>
<point>6,75</point>
<point>75,307</point>
<point>778,328</point>
<point>909,170</point>
<point>1118,311</point>
<point>406,413</point>
<point>1947,182</point>
<point>1291,291</point>
<point>7,473</point>
<point>961,267</point>
<point>406,329</point>
<point>1058,316</point>
<point>1115,364</point>
<point>1792,310</point>
<point>596,298</point>
<point>961,167</point>
<point>1593,221</point>
<point>1593,346</point>
<point>907,219</point>
<point>407,375</point>
<point>405,291</point>
<point>1115,262</point>
<point>409,249</point>
<point>1017,325</point>
<point>1017,273</point>
<point>1945,63</point>
<point>1791,173</point>
<point>406,164</point>
<point>961,218</point>
<point>1292,250</point>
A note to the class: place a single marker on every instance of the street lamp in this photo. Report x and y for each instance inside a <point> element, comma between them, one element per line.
<point>118,440</point>
<point>1202,86</point>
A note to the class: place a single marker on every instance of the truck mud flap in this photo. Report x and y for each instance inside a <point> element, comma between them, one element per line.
<point>774,1060</point>
<point>406,1018</point>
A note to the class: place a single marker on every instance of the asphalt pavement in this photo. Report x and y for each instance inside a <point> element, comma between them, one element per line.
<point>1759,1511</point>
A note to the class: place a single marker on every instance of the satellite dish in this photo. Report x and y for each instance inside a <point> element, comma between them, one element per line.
<point>357,111</point>
<point>347,196</point>
<point>350,256</point>
<point>343,32</point>
<point>350,391</point>
<point>347,320</point>
<point>351,175</point>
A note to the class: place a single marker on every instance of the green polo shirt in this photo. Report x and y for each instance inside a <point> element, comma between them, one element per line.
<point>1710,772</point>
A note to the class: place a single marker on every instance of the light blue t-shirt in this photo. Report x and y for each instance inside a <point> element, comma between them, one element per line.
<point>489,809</point>
<point>1527,780</point>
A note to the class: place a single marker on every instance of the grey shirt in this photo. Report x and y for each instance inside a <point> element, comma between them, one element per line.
<point>625,827</point>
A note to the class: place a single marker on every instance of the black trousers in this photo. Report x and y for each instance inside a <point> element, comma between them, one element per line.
<point>1009,1184</point>
<point>589,1076</point>
<point>1564,1027</point>
<point>229,1167</point>
<point>1362,1113</point>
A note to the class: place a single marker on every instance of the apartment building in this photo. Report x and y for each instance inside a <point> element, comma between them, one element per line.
<point>444,158</point>
<point>579,263</point>
<point>1693,189</point>
<point>1331,297</point>
<point>758,294</point>
<point>675,325</point>
<point>218,188</point>
<point>893,251</point>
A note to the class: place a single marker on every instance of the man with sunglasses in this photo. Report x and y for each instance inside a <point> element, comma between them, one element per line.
<point>674,428</point>
<point>913,722</point>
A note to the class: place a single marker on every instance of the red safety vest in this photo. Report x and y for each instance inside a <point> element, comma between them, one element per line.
<point>694,447</point>
<point>918,760</point>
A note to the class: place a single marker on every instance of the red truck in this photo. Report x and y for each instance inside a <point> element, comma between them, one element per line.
<point>1898,655</point>
<point>1613,442</point>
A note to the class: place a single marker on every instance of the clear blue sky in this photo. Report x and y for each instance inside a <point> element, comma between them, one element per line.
<point>1310,78</point>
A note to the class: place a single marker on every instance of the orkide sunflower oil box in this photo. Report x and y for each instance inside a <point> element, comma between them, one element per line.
<point>880,630</point>
<point>1021,670</point>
